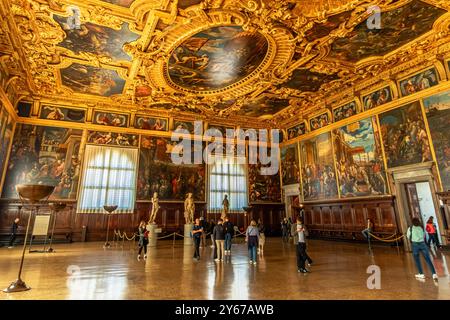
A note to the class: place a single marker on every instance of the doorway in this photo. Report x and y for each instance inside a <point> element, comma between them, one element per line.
<point>420,203</point>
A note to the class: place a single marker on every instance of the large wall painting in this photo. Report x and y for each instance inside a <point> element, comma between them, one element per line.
<point>377,98</point>
<point>404,136</point>
<point>113,138</point>
<point>438,114</point>
<point>92,80</point>
<point>44,155</point>
<point>263,188</point>
<point>150,123</point>
<point>345,111</point>
<point>359,159</point>
<point>419,82</point>
<point>92,38</point>
<point>399,26</point>
<point>296,130</point>
<point>290,168</point>
<point>318,174</point>
<point>6,127</point>
<point>216,58</point>
<point>61,113</point>
<point>157,173</point>
<point>110,119</point>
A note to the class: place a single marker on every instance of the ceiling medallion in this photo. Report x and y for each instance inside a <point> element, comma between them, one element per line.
<point>216,58</point>
<point>218,55</point>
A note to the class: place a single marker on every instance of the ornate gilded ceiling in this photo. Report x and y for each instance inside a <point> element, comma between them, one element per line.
<point>249,61</point>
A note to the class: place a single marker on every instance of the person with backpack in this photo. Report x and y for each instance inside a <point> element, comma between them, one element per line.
<point>143,240</point>
<point>431,229</point>
<point>229,231</point>
<point>416,235</point>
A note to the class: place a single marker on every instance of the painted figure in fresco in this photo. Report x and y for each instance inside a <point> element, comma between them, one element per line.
<point>54,114</point>
<point>155,208</point>
<point>189,209</point>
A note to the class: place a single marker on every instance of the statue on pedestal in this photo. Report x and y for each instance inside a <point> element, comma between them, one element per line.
<point>226,207</point>
<point>189,209</point>
<point>155,208</point>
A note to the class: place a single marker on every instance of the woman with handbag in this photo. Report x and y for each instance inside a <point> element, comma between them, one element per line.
<point>143,240</point>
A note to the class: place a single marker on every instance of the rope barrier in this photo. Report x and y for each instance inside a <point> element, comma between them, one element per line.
<point>387,239</point>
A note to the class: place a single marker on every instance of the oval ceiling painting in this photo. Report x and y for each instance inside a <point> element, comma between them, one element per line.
<point>216,58</point>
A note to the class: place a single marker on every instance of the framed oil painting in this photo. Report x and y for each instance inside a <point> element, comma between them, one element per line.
<point>113,138</point>
<point>404,136</point>
<point>345,111</point>
<point>290,171</point>
<point>377,98</point>
<point>318,173</point>
<point>418,82</point>
<point>157,173</point>
<point>61,113</point>
<point>150,123</point>
<point>359,159</point>
<point>192,127</point>
<point>263,188</point>
<point>44,155</point>
<point>437,109</point>
<point>296,130</point>
<point>110,119</point>
<point>202,62</point>
<point>319,121</point>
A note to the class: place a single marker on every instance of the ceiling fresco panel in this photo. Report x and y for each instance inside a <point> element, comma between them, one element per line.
<point>398,27</point>
<point>308,81</point>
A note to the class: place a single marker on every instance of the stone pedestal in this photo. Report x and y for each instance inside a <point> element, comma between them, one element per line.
<point>187,234</point>
<point>152,236</point>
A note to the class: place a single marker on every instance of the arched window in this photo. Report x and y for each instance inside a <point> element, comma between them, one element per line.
<point>109,178</point>
<point>227,176</point>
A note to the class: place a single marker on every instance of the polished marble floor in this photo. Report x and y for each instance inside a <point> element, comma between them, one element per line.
<point>87,271</point>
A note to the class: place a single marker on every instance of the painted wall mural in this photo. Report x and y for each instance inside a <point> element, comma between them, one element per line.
<point>6,128</point>
<point>359,159</point>
<point>92,38</point>
<point>110,119</point>
<point>122,3</point>
<point>377,98</point>
<point>318,172</point>
<point>320,30</point>
<point>399,26</point>
<point>150,123</point>
<point>113,138</point>
<point>404,136</point>
<point>46,155</point>
<point>419,82</point>
<point>319,121</point>
<point>217,57</point>
<point>437,109</point>
<point>61,113</point>
<point>290,172</point>
<point>92,80</point>
<point>157,173</point>
<point>192,127</point>
<point>263,188</point>
<point>296,130</point>
<point>345,111</point>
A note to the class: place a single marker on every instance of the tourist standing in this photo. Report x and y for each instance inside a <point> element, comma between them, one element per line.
<point>210,231</point>
<point>204,225</point>
<point>284,230</point>
<point>300,239</point>
<point>143,240</point>
<point>252,238</point>
<point>229,230</point>
<point>262,236</point>
<point>14,228</point>
<point>197,232</point>
<point>219,237</point>
<point>431,229</point>
<point>416,235</point>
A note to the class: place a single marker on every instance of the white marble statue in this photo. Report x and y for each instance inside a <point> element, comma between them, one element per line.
<point>189,209</point>
<point>155,208</point>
